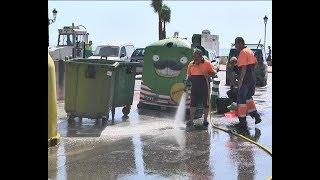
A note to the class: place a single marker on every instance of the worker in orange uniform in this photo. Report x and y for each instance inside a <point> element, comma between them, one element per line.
<point>199,71</point>
<point>246,84</point>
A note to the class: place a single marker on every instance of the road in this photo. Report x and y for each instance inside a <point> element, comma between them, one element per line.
<point>148,146</point>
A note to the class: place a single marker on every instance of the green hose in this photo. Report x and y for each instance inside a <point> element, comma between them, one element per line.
<point>243,137</point>
<point>233,132</point>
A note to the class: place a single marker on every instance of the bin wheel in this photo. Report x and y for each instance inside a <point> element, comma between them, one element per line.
<point>138,105</point>
<point>70,118</point>
<point>126,110</point>
<point>105,119</point>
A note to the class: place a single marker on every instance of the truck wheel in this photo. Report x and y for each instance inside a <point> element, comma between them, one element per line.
<point>105,119</point>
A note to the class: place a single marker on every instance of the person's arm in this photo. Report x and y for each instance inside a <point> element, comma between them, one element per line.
<point>242,62</point>
<point>242,74</point>
<point>211,70</point>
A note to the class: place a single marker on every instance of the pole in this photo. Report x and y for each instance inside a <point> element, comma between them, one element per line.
<point>264,44</point>
<point>48,30</point>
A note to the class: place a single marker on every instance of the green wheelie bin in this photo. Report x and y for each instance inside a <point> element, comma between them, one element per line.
<point>89,88</point>
<point>124,86</point>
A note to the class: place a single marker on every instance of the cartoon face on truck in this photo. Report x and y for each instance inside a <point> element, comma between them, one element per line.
<point>164,69</point>
<point>167,66</point>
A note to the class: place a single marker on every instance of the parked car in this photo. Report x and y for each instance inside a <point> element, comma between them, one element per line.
<point>138,56</point>
<point>261,68</point>
<point>113,52</point>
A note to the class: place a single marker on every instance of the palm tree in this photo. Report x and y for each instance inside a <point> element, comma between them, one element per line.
<point>157,6</point>
<point>165,17</point>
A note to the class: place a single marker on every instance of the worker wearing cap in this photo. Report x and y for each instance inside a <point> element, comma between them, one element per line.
<point>199,70</point>
<point>246,62</point>
<point>88,49</point>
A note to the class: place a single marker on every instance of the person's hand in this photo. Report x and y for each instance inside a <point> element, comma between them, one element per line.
<point>233,60</point>
<point>207,77</point>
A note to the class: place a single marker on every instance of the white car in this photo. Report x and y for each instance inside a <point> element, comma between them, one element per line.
<point>116,52</point>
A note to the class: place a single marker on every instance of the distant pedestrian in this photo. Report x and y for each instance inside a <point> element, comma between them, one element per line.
<point>88,49</point>
<point>269,54</point>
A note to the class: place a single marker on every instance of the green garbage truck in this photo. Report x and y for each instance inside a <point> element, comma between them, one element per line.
<point>164,71</point>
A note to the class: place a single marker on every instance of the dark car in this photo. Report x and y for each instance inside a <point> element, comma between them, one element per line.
<point>261,68</point>
<point>138,56</point>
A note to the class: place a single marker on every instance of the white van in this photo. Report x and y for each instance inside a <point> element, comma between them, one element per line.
<point>113,51</point>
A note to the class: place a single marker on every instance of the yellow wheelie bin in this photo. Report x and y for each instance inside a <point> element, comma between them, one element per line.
<point>53,135</point>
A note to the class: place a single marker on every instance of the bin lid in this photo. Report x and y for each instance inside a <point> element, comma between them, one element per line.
<point>176,42</point>
<point>97,62</point>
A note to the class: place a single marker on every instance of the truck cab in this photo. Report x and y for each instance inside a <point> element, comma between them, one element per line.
<point>209,45</point>
<point>71,42</point>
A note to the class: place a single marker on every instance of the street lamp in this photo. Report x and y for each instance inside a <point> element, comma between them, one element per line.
<point>50,21</point>
<point>265,19</point>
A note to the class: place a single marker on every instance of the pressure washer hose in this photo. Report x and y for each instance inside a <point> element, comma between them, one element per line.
<point>232,131</point>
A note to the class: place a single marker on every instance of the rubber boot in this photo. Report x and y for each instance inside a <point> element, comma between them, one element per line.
<point>242,123</point>
<point>256,116</point>
<point>205,123</point>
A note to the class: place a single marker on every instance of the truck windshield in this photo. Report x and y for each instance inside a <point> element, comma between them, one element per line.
<point>107,51</point>
<point>138,52</point>
<point>65,40</point>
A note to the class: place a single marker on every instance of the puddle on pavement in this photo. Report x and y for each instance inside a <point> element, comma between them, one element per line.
<point>147,146</point>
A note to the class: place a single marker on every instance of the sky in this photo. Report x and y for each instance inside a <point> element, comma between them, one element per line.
<point>135,21</point>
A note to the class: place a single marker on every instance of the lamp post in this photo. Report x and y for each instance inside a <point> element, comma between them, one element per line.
<point>265,19</point>
<point>50,21</point>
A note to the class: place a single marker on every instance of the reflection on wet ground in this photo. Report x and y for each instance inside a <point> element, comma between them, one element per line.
<point>148,146</point>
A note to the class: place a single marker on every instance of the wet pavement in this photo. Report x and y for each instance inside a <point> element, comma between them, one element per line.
<point>148,146</point>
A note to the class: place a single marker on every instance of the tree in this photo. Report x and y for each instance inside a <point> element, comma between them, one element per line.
<point>165,17</point>
<point>157,7</point>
